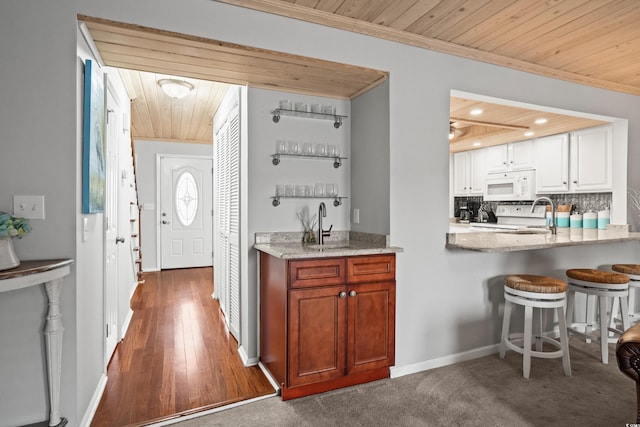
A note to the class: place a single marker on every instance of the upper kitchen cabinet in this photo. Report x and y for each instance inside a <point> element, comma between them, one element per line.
<point>591,161</point>
<point>469,172</point>
<point>551,161</point>
<point>510,157</point>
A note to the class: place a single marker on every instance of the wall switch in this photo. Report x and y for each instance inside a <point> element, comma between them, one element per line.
<point>356,216</point>
<point>29,207</point>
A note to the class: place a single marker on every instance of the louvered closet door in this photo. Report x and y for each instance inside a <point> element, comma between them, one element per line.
<point>233,316</point>
<point>227,246</point>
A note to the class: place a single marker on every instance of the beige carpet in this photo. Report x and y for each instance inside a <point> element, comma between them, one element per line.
<point>484,392</point>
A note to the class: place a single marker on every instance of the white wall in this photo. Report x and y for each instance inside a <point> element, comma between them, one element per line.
<point>447,301</point>
<point>145,152</point>
<point>370,160</point>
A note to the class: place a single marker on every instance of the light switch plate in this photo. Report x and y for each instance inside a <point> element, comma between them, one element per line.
<point>29,207</point>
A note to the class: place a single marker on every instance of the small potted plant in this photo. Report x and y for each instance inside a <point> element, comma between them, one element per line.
<point>10,227</point>
<point>308,223</point>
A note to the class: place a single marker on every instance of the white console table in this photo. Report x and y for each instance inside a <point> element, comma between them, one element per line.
<point>49,273</point>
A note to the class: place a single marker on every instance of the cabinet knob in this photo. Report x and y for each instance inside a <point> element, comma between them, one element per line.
<point>564,182</point>
<point>352,293</point>
<point>342,294</point>
<point>575,182</point>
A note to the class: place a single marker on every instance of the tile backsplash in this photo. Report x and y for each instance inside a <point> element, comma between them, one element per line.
<point>582,202</point>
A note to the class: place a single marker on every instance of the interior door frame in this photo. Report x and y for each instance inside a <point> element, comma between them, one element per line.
<point>159,157</point>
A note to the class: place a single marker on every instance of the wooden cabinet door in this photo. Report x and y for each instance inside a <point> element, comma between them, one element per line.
<point>371,326</point>
<point>317,334</point>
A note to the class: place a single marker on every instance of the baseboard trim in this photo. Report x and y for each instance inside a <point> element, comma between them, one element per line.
<point>400,371</point>
<point>248,361</point>
<point>94,402</point>
<point>150,269</point>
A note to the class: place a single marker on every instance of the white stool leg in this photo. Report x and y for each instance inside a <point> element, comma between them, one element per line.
<point>564,341</point>
<point>588,328</point>
<point>539,334</point>
<point>604,336</point>
<point>526,359</point>
<point>505,328</point>
<point>614,314</point>
<point>570,297</point>
<point>626,322</point>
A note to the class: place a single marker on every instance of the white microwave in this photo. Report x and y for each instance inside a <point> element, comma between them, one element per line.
<point>510,186</point>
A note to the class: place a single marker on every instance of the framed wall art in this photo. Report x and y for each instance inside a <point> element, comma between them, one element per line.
<point>93,155</point>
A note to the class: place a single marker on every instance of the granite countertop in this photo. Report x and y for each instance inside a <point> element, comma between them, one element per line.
<point>509,241</point>
<point>341,243</point>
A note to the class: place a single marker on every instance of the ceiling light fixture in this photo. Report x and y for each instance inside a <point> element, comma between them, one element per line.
<point>540,121</point>
<point>528,133</point>
<point>476,111</point>
<point>175,88</point>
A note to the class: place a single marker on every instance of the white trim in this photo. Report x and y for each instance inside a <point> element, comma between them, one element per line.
<point>151,269</point>
<point>267,374</point>
<point>86,35</point>
<point>248,361</point>
<point>160,156</point>
<point>443,361</point>
<point>180,419</point>
<point>94,402</point>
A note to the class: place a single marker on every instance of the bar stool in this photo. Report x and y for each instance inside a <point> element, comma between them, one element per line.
<point>603,285</point>
<point>633,271</point>
<point>540,292</point>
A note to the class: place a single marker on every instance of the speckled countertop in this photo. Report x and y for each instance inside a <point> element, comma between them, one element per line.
<point>519,241</point>
<point>287,245</point>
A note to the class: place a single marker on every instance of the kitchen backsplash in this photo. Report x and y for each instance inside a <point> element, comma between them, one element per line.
<point>582,202</point>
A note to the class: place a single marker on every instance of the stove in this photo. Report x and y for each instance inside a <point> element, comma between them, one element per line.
<point>515,217</point>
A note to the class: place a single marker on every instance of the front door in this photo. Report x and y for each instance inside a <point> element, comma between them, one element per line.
<point>186,215</point>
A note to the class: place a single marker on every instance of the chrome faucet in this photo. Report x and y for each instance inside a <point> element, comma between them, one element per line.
<point>552,227</point>
<point>322,212</point>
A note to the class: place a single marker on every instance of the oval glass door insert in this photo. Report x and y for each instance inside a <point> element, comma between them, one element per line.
<point>186,198</point>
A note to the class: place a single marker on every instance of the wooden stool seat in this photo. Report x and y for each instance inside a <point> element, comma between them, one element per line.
<point>628,269</point>
<point>532,291</point>
<point>537,284</point>
<point>601,285</point>
<point>597,276</point>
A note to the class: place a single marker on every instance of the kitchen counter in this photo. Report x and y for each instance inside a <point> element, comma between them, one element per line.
<point>342,243</point>
<point>521,240</point>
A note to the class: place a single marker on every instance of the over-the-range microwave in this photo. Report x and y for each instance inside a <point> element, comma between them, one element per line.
<point>510,186</point>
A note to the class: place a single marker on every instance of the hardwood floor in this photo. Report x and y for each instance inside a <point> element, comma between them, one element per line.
<point>177,356</point>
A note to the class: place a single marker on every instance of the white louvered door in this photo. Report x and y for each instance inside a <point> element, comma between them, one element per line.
<point>227,217</point>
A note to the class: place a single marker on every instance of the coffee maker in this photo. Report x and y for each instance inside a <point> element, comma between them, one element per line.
<point>465,214</point>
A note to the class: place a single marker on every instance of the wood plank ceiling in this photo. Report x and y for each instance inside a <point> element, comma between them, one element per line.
<point>595,42</point>
<point>206,63</point>
<point>585,41</point>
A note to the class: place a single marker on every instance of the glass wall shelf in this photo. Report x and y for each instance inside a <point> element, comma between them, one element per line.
<point>337,160</point>
<point>337,200</point>
<point>337,118</point>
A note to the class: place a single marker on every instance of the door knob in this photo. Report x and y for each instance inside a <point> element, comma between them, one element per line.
<point>352,293</point>
<point>342,294</point>
<point>165,222</point>
<point>119,240</point>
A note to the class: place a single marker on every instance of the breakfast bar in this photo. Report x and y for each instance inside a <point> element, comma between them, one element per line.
<point>530,239</point>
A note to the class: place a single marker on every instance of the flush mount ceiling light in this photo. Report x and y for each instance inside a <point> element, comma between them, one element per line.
<point>175,88</point>
<point>476,111</point>
<point>541,121</point>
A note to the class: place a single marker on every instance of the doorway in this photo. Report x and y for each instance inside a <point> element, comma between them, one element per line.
<point>186,212</point>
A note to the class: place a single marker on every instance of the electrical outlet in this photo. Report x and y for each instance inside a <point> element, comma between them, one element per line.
<point>29,207</point>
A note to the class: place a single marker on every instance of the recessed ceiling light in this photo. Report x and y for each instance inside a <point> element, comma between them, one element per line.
<point>541,121</point>
<point>529,133</point>
<point>477,144</point>
<point>476,111</point>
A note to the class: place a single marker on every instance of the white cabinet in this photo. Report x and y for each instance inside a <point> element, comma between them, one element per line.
<point>575,163</point>
<point>551,161</point>
<point>509,157</point>
<point>591,162</point>
<point>469,172</point>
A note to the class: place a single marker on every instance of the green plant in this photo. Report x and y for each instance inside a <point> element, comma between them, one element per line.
<point>11,226</point>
